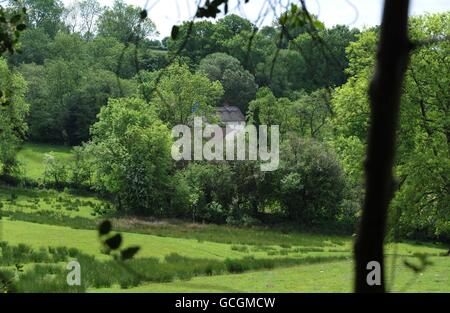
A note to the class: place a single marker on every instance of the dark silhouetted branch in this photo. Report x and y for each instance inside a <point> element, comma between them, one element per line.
<point>385,91</point>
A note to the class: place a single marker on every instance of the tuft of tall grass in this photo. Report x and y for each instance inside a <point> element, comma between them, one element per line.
<point>240,248</point>
<point>23,254</point>
<point>46,278</point>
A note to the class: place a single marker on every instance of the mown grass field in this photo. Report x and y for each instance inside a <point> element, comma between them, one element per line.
<point>44,229</point>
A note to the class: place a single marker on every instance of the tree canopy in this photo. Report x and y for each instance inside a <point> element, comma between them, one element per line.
<point>239,84</point>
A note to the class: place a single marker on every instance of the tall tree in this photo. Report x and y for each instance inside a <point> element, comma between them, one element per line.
<point>13,112</point>
<point>238,84</point>
<point>33,47</point>
<point>324,59</point>
<point>124,23</point>
<point>81,16</point>
<point>71,16</point>
<point>131,149</point>
<point>200,41</point>
<point>230,26</point>
<point>422,146</point>
<point>90,10</point>
<point>45,14</point>
<point>181,94</point>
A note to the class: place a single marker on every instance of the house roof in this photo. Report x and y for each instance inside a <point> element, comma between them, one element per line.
<point>230,114</point>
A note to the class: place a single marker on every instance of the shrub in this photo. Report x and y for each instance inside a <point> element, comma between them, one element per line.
<point>207,189</point>
<point>311,181</point>
<point>130,148</point>
<point>55,171</point>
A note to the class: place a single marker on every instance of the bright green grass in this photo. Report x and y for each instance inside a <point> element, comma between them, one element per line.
<point>324,277</point>
<point>39,235</point>
<point>31,158</point>
<point>334,276</point>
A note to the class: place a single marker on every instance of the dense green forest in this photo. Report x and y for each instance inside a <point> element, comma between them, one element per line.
<point>103,84</point>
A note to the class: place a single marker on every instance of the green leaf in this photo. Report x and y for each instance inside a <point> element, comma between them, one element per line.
<point>15,19</point>
<point>21,27</point>
<point>104,228</point>
<point>318,25</point>
<point>129,253</point>
<point>413,267</point>
<point>114,242</point>
<point>19,267</point>
<point>283,19</point>
<point>175,31</point>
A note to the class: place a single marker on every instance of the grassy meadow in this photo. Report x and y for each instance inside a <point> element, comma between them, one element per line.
<point>31,158</point>
<point>42,229</point>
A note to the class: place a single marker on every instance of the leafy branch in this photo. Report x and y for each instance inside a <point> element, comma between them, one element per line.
<point>416,268</point>
<point>12,23</point>
<point>112,243</point>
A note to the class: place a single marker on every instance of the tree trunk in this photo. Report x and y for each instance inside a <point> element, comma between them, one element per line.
<point>384,93</point>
